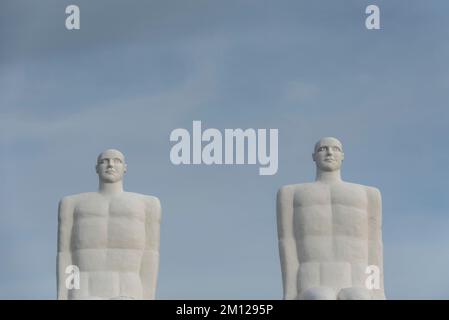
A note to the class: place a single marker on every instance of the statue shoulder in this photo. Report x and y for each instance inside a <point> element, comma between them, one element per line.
<point>370,191</point>
<point>68,203</point>
<point>148,199</point>
<point>74,198</point>
<point>153,200</point>
<point>66,207</point>
<point>153,203</point>
<point>295,188</point>
<point>373,193</point>
<point>288,193</point>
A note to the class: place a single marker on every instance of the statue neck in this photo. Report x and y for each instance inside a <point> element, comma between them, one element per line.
<point>111,188</point>
<point>328,176</point>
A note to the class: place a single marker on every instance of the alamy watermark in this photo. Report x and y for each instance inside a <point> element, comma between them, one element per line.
<point>372,281</point>
<point>372,22</point>
<point>235,146</point>
<point>72,22</point>
<point>73,279</point>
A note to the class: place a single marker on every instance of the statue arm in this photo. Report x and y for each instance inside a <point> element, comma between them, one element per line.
<point>287,242</point>
<point>150,259</point>
<point>64,257</point>
<point>375,255</point>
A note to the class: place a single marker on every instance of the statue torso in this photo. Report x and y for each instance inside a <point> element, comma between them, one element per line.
<point>331,228</point>
<point>108,239</point>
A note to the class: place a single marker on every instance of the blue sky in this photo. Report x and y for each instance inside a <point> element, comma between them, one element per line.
<point>136,70</point>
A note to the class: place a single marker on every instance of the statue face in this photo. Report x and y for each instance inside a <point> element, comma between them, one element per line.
<point>111,166</point>
<point>328,154</point>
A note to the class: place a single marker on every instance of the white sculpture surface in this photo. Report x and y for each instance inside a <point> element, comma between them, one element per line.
<point>330,233</point>
<point>111,236</point>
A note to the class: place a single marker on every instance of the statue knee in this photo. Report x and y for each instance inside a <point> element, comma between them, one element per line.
<point>354,294</point>
<point>319,293</point>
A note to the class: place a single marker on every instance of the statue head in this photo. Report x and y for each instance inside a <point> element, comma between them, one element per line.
<point>110,166</point>
<point>328,154</point>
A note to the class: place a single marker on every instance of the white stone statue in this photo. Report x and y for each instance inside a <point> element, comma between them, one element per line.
<point>330,237</point>
<point>111,237</point>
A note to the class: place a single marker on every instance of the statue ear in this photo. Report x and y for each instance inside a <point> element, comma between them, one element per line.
<point>126,167</point>
<point>313,157</point>
<point>342,156</point>
<point>96,168</point>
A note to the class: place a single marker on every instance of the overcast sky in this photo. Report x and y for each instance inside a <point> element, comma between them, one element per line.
<point>136,70</point>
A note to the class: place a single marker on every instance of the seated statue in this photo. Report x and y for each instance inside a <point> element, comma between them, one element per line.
<point>330,236</point>
<point>111,236</point>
